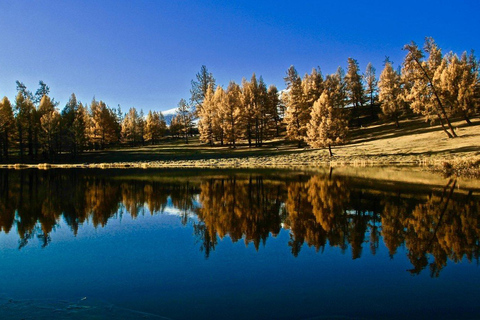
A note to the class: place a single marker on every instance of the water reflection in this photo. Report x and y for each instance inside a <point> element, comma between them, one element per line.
<point>318,210</point>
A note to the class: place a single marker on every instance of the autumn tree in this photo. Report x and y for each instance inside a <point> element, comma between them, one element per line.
<point>424,92</point>
<point>49,126</point>
<point>206,117</point>
<point>460,83</point>
<point>185,116</point>
<point>7,127</point>
<point>249,102</point>
<point>218,120</point>
<point>106,128</point>
<point>328,124</point>
<point>297,114</point>
<point>130,127</point>
<point>24,110</point>
<point>175,126</point>
<point>232,113</point>
<point>155,126</point>
<point>390,94</point>
<point>354,85</point>
<point>80,129</point>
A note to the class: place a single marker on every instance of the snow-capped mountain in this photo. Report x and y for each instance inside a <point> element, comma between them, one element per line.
<point>169,114</point>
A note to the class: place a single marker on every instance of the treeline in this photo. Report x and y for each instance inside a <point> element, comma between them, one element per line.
<point>315,110</point>
<point>36,128</point>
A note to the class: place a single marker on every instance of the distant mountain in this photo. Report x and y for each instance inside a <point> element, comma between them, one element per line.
<point>169,114</point>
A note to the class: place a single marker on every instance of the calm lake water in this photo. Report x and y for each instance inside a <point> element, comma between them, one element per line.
<point>163,244</point>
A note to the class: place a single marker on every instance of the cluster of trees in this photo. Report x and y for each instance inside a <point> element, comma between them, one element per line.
<point>434,85</point>
<point>438,86</point>
<point>38,130</point>
<point>250,111</point>
<point>318,210</point>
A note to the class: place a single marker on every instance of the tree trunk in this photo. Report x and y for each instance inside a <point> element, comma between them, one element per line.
<point>440,105</point>
<point>465,116</point>
<point>330,150</point>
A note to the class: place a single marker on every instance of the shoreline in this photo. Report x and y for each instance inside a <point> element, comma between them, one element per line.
<point>454,165</point>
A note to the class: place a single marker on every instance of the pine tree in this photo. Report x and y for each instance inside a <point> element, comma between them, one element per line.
<point>273,110</point>
<point>199,88</point>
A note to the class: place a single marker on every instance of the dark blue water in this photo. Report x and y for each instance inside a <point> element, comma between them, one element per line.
<point>160,263</point>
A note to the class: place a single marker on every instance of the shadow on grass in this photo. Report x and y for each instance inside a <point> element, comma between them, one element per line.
<point>174,151</point>
<point>409,127</point>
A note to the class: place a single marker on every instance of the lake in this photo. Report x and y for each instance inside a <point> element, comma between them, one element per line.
<point>225,244</point>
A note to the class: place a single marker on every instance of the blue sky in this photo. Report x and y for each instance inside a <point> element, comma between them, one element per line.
<point>144,54</point>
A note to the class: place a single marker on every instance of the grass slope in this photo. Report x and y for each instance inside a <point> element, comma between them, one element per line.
<point>415,142</point>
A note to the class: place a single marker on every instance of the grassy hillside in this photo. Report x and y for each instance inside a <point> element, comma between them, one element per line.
<point>415,142</point>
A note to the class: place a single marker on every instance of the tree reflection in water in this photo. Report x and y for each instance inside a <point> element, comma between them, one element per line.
<point>434,225</point>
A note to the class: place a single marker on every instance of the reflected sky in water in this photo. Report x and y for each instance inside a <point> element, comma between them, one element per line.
<point>236,245</point>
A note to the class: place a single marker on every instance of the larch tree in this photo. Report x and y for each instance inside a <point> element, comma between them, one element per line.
<point>68,117</point>
<point>390,94</point>
<point>205,114</point>
<point>312,85</point>
<point>50,124</point>
<point>24,109</point>
<point>130,130</point>
<point>218,120</point>
<point>232,113</point>
<point>7,127</point>
<point>460,85</point>
<point>155,127</point>
<point>175,126</point>
<point>47,137</point>
<point>424,92</point>
<point>354,85</point>
<point>297,113</point>
<point>105,126</point>
<point>185,116</point>
<point>328,125</point>
<point>80,126</point>
<point>249,103</point>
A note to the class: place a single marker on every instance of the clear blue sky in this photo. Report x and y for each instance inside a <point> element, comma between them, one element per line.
<point>144,54</point>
